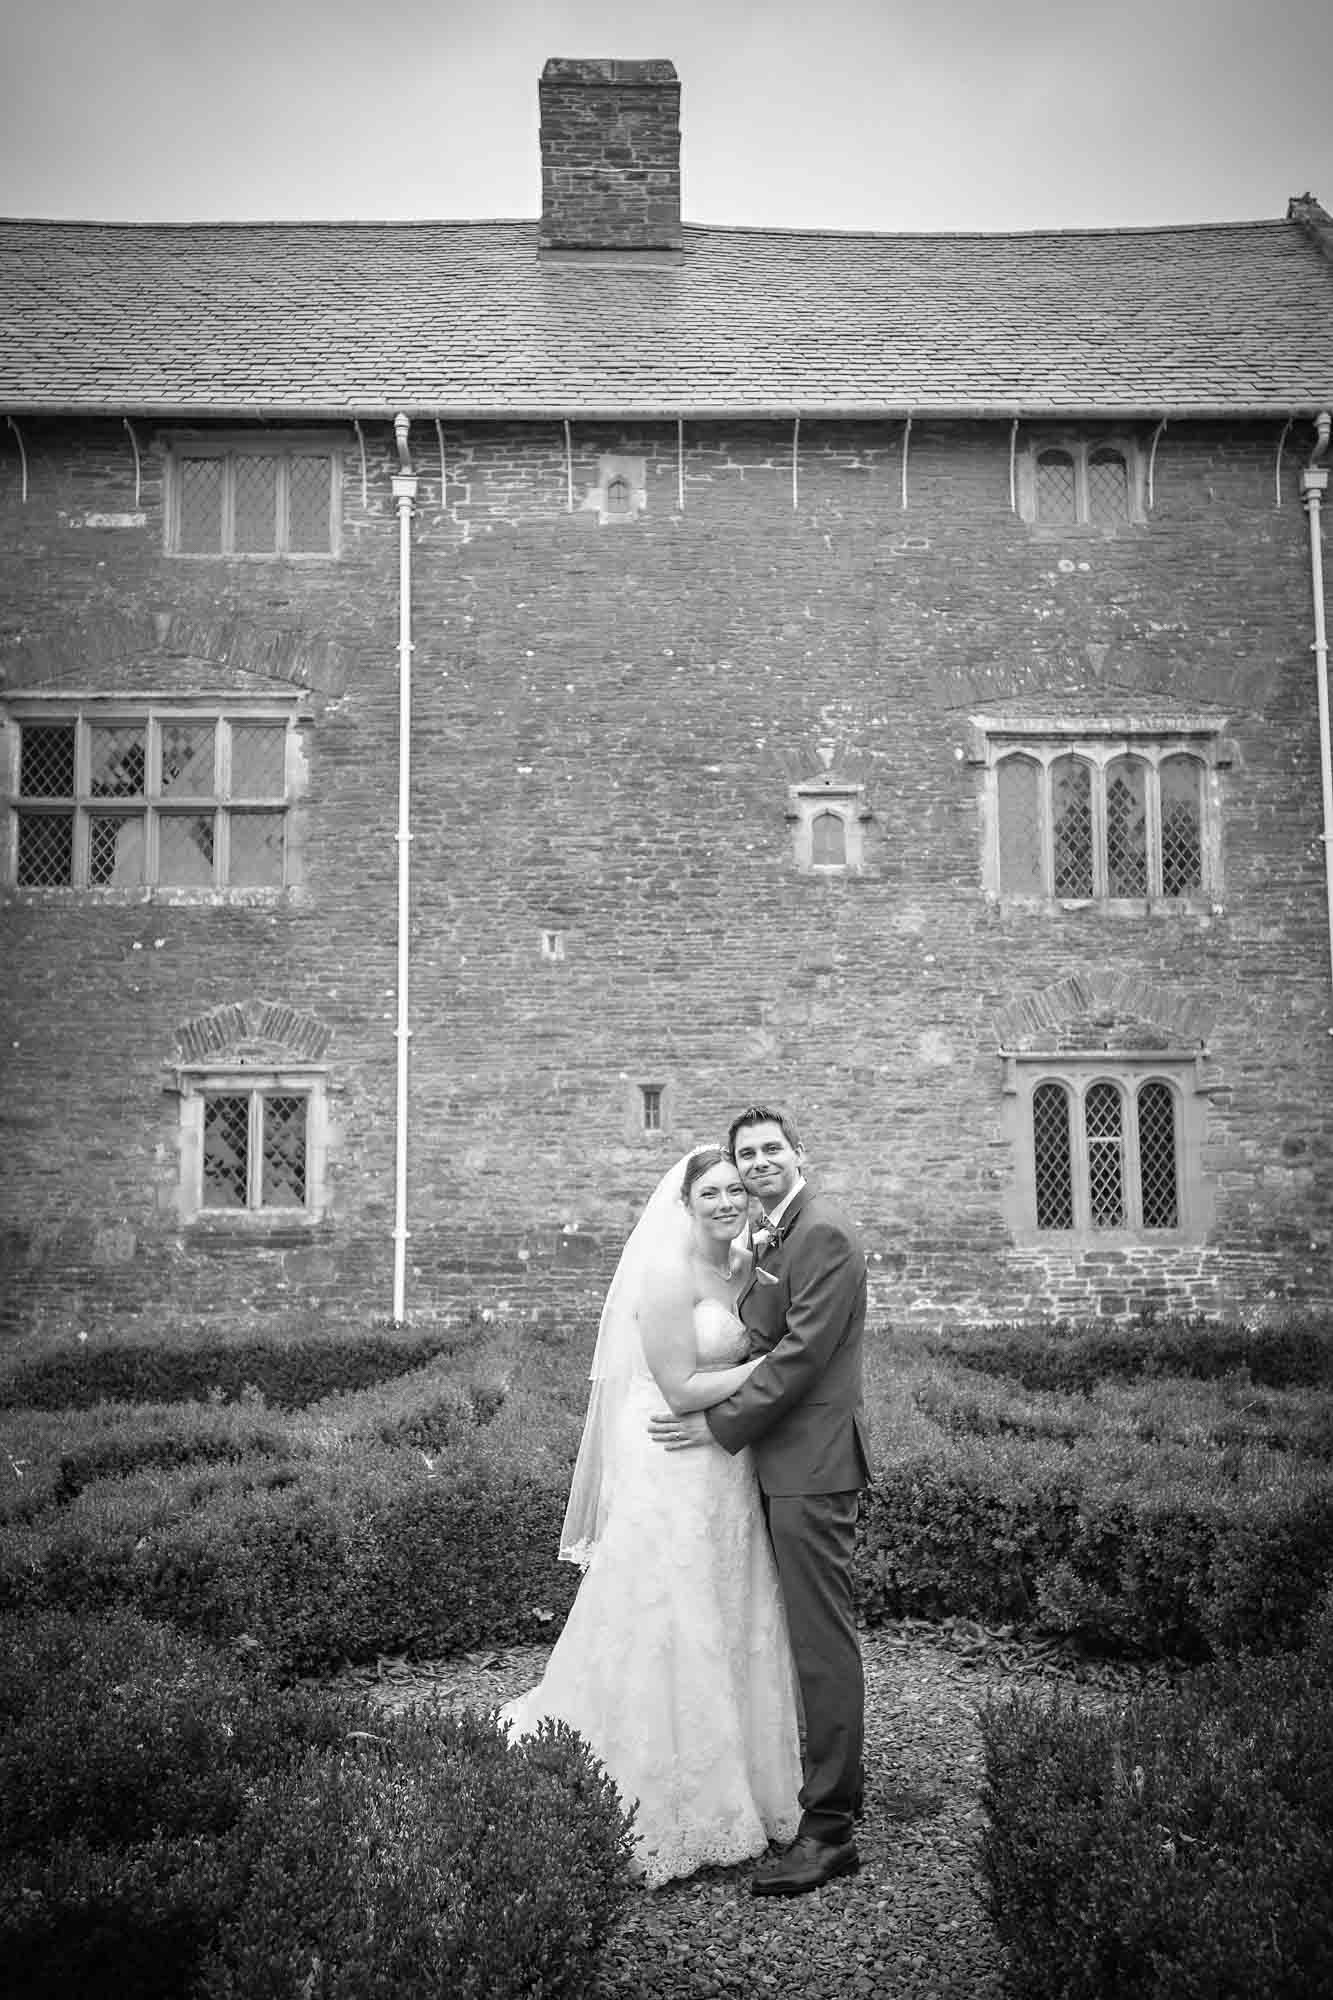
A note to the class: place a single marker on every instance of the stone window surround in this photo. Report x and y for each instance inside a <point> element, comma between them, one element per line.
<point>178,443</point>
<point>1101,738</point>
<point>1181,1069</point>
<point>847,802</point>
<point>631,472</point>
<point>1080,444</point>
<point>237,1075</point>
<point>87,706</point>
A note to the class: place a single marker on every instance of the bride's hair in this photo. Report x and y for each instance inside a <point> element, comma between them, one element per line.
<point>700,1163</point>
<point>658,1239</point>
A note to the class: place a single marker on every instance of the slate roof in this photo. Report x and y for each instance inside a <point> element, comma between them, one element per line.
<point>462,319</point>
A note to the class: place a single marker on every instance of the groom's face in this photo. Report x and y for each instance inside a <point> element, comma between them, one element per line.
<point>767,1162</point>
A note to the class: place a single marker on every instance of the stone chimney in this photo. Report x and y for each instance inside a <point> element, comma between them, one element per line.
<point>610,137</point>
<point>1314,219</point>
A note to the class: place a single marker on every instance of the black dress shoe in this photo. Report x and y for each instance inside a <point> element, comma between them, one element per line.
<point>807,1864</point>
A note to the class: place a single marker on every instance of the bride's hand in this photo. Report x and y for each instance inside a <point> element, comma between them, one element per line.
<point>681,1433</point>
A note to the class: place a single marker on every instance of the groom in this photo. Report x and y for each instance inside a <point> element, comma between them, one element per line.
<point>804,1308</point>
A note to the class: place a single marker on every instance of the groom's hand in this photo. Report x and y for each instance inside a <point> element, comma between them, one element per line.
<point>679,1433</point>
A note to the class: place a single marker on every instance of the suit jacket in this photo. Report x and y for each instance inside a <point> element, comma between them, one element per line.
<point>802,1411</point>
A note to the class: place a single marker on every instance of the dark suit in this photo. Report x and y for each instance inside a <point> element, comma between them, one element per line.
<point>802,1414</point>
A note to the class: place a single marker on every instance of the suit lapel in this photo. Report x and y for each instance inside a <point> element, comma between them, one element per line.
<point>789,1215</point>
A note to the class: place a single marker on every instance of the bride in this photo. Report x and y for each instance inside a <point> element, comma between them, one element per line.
<point>673,1664</point>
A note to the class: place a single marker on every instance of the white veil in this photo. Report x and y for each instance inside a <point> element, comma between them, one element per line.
<point>660,1234</point>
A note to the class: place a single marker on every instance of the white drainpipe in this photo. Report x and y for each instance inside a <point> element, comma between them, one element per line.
<point>404,493</point>
<point>1314,484</point>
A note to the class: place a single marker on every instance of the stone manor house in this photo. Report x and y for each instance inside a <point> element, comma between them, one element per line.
<point>480,702</point>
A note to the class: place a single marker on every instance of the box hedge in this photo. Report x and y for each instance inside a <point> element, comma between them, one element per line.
<point>174,1825</point>
<point>287,1374</point>
<point>1177,1848</point>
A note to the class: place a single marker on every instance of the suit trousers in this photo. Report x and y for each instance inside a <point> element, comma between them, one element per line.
<point>813,1535</point>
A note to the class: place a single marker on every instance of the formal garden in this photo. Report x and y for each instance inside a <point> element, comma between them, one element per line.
<point>200,1538</point>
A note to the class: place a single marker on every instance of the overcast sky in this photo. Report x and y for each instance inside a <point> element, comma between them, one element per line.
<point>839,114</point>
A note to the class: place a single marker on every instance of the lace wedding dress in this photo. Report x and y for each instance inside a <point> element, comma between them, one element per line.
<point>674,1663</point>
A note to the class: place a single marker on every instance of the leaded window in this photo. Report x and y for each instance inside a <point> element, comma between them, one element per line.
<point>1053,1159</point>
<point>252,1141</point>
<point>1105,1154</point>
<point>252,497</point>
<point>149,798</point>
<point>1107,487</point>
<point>1080,483</point>
<point>255,1150</point>
<point>1071,826</point>
<point>1057,487</point>
<point>1101,819</point>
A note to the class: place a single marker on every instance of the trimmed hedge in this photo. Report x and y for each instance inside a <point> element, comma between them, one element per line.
<point>173,1826</point>
<point>1224,1419</point>
<point>1018,1532</point>
<point>1178,1849</point>
<point>347,1554</point>
<point>128,1759</point>
<point>287,1374</point>
<point>325,1534</point>
<point>311,1563</point>
<point>1072,1357</point>
<point>420,1409</point>
<point>437,1860</point>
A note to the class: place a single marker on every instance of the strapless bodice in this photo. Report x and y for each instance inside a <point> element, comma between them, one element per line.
<point>720,1339</point>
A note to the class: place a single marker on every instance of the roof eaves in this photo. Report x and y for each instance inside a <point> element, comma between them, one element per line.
<point>169,409</point>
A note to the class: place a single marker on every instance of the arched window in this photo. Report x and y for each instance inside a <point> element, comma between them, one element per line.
<point>1104,1128</point>
<point>1081,482</point>
<point>1159,1186</point>
<point>1051,1156</point>
<point>1182,843</point>
<point>1057,493</point>
<point>619,495</point>
<point>1126,827</point>
<point>1077,817</point>
<point>1071,824</point>
<point>828,816</point>
<point>1108,1144</point>
<point>828,841</point>
<point>1108,487</point>
<point>1018,794</point>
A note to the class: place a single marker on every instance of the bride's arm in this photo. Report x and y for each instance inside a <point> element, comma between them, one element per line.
<point>667,1325</point>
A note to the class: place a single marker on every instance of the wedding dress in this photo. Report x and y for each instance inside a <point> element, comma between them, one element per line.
<point>674,1663</point>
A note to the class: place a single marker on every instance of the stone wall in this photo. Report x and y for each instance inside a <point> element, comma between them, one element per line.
<point>609,716</point>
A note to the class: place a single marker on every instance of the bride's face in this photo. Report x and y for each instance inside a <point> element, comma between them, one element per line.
<point>718,1203</point>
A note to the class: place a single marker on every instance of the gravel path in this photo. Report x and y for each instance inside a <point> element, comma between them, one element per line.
<point>911,1925</point>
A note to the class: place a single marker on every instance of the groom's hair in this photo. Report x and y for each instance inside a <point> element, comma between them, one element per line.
<point>763,1114</point>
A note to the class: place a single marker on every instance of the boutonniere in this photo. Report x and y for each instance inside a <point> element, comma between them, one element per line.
<point>764,1240</point>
